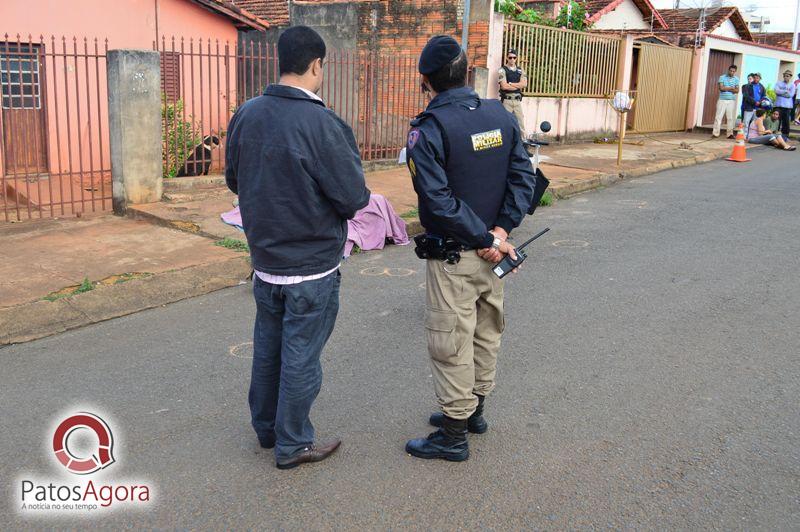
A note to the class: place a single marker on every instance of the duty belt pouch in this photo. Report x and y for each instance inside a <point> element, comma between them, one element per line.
<point>540,185</point>
<point>437,248</point>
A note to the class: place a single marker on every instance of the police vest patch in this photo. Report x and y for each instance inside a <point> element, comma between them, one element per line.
<point>487,140</point>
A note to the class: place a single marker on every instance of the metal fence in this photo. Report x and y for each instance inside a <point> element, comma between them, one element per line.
<point>561,62</point>
<point>204,81</point>
<point>55,151</point>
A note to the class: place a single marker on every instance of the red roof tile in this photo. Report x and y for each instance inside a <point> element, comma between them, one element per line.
<point>780,40</point>
<point>686,21</point>
<point>240,17</point>
<point>276,12</point>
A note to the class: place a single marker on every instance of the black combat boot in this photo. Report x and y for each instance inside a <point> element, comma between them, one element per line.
<point>475,423</point>
<point>447,443</point>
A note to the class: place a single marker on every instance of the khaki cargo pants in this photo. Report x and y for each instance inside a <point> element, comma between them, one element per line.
<point>515,108</point>
<point>463,324</point>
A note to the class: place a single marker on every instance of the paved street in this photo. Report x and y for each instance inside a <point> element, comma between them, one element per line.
<point>649,378</point>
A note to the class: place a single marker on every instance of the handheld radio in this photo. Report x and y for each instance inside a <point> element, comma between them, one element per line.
<point>507,265</point>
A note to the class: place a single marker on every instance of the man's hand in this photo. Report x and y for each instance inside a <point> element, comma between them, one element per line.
<point>500,233</point>
<point>491,254</point>
<point>496,255</point>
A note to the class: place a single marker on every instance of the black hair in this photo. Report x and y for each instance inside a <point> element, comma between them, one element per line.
<point>760,112</point>
<point>450,76</point>
<point>298,46</point>
<point>733,67</point>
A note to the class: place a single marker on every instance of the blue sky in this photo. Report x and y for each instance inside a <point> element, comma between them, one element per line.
<point>780,12</point>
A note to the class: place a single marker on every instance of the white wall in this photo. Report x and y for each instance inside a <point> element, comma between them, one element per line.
<point>570,117</point>
<point>742,49</point>
<point>727,29</point>
<point>625,17</point>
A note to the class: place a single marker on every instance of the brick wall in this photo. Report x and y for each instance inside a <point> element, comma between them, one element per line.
<point>404,26</point>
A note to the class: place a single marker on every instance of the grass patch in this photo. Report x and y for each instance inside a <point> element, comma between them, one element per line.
<point>234,244</point>
<point>408,215</point>
<point>87,285</point>
<point>547,200</point>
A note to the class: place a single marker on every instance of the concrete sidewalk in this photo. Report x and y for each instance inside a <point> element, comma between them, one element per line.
<point>124,266</point>
<point>195,206</point>
<point>166,251</point>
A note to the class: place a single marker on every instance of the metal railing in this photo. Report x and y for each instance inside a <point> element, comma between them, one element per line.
<point>55,158</point>
<point>562,62</point>
<point>204,81</point>
<point>55,153</point>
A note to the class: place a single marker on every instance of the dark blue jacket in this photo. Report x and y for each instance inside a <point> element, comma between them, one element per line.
<point>296,169</point>
<point>749,103</point>
<point>469,168</point>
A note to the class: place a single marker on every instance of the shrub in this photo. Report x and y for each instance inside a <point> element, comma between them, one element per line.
<point>179,137</point>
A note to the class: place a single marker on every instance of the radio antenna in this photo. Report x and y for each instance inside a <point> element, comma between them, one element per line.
<point>534,237</point>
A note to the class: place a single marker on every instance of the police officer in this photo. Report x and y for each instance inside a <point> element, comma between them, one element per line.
<point>474,183</point>
<point>512,80</point>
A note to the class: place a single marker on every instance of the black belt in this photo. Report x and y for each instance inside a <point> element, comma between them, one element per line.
<point>515,96</point>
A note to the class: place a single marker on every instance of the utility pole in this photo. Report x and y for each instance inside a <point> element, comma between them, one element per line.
<point>796,26</point>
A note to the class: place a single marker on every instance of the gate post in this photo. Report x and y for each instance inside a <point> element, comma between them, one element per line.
<point>134,118</point>
<point>625,62</point>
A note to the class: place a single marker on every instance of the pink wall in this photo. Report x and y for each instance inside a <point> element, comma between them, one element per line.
<point>76,86</point>
<point>126,23</point>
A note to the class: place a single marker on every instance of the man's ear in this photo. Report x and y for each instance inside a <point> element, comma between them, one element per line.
<point>425,84</point>
<point>316,66</point>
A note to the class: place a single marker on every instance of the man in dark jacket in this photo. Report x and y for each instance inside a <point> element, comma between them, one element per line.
<point>752,94</point>
<point>475,183</point>
<point>296,169</point>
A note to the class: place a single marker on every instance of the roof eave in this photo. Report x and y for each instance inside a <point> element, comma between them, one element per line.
<point>242,19</point>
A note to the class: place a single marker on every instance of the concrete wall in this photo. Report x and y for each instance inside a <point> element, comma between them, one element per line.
<point>494,60</point>
<point>134,116</point>
<point>626,16</point>
<point>571,118</point>
<point>336,23</point>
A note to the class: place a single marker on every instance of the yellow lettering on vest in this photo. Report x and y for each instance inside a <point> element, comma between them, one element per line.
<point>487,140</point>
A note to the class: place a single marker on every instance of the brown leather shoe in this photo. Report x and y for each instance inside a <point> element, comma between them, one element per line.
<point>315,453</point>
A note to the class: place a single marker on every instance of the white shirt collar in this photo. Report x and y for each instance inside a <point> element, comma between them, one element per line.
<point>308,92</point>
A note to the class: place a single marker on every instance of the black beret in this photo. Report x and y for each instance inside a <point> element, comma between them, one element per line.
<point>439,51</point>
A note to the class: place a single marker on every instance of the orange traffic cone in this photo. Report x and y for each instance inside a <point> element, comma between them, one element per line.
<point>739,154</point>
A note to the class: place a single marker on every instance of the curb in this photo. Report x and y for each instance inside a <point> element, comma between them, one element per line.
<point>179,225</point>
<point>565,191</point>
<point>37,319</point>
<point>414,227</point>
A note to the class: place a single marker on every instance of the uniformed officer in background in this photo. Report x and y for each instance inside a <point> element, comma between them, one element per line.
<point>512,81</point>
<point>475,184</point>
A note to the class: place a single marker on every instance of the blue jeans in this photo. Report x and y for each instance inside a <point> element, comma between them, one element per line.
<point>293,322</point>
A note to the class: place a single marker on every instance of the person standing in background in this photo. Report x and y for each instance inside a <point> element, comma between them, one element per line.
<point>752,94</point>
<point>728,85</point>
<point>512,81</point>
<point>784,103</point>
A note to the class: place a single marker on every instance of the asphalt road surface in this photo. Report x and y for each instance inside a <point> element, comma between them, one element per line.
<point>649,378</point>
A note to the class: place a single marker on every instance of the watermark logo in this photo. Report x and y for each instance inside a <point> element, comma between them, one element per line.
<point>103,455</point>
<point>82,444</point>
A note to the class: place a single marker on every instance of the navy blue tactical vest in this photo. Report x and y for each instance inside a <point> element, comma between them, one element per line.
<point>478,145</point>
<point>512,76</point>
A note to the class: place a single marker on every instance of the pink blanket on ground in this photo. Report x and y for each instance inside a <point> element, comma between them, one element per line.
<point>369,229</point>
<point>373,224</point>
